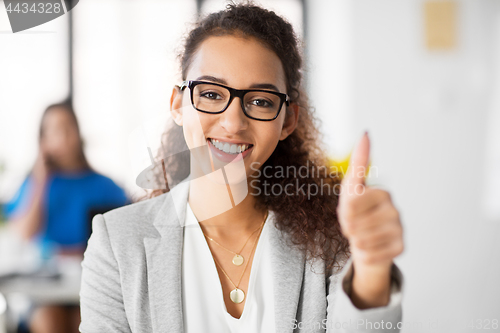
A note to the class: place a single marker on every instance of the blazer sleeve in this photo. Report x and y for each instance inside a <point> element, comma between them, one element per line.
<point>344,317</point>
<point>101,300</point>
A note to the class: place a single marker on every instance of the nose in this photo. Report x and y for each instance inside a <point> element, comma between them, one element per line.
<point>233,120</point>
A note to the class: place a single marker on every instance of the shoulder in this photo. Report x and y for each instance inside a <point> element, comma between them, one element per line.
<point>130,224</point>
<point>109,190</point>
<point>145,219</point>
<point>122,233</point>
<point>101,179</point>
<point>137,214</point>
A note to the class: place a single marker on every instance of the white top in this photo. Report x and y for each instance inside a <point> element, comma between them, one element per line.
<point>203,304</point>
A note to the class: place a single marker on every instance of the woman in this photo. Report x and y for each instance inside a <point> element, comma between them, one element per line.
<point>56,202</point>
<point>249,240</point>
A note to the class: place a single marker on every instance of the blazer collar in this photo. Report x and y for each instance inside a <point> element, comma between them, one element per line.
<point>164,259</point>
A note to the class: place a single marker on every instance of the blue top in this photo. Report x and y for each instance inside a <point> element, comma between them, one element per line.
<point>70,201</point>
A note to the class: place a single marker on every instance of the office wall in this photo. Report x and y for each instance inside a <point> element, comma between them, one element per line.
<point>429,117</point>
<point>33,74</point>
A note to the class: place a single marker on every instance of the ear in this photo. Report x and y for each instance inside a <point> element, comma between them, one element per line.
<point>291,121</point>
<point>176,105</point>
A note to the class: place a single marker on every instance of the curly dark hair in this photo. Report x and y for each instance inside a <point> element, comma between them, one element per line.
<point>311,221</point>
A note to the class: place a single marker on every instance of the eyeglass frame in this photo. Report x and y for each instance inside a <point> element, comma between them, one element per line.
<point>284,98</point>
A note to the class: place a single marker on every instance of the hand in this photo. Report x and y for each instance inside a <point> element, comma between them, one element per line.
<point>41,169</point>
<point>367,215</point>
<point>371,224</point>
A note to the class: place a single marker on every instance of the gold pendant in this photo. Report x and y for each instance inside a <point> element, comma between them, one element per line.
<point>237,295</point>
<point>238,260</point>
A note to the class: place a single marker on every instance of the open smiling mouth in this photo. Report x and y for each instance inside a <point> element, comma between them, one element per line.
<point>230,148</point>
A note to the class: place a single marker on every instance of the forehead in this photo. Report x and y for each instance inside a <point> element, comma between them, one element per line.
<point>57,116</point>
<point>240,61</point>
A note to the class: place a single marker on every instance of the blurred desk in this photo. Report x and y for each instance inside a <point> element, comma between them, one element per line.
<point>44,281</point>
<point>63,289</point>
<point>28,278</point>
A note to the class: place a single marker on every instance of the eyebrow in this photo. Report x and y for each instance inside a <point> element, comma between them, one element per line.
<point>253,86</point>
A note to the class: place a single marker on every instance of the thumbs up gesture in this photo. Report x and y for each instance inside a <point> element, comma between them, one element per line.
<point>371,224</point>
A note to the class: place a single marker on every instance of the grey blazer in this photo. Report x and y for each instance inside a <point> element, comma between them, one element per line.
<point>131,278</point>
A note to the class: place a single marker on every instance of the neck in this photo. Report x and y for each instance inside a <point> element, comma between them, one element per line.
<point>70,165</point>
<point>222,210</point>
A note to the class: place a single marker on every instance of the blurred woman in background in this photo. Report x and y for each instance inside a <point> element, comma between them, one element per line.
<point>56,201</point>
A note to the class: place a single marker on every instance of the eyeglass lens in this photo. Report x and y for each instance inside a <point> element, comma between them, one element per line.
<point>258,104</point>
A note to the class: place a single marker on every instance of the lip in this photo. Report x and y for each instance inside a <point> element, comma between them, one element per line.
<point>225,157</point>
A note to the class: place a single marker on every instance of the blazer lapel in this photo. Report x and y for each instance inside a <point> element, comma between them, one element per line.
<point>164,258</point>
<point>164,265</point>
<point>288,271</point>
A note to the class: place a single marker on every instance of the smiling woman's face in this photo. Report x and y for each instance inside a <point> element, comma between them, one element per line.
<point>241,63</point>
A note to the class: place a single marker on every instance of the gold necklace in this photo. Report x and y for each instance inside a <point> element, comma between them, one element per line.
<point>238,258</point>
<point>237,295</point>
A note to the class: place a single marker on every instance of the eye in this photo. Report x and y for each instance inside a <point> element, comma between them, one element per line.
<point>261,103</point>
<point>210,95</point>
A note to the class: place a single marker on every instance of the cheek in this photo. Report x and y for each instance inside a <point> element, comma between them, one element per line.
<point>193,126</point>
<point>68,141</point>
<point>74,142</point>
<point>54,143</point>
<point>48,146</point>
<point>268,137</point>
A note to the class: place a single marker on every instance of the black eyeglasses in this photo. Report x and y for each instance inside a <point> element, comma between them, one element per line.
<point>214,98</point>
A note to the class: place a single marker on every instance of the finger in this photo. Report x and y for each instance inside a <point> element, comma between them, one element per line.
<point>358,163</point>
<point>379,244</point>
<point>383,254</point>
<point>365,204</point>
<point>373,239</point>
<point>381,215</point>
<point>389,227</point>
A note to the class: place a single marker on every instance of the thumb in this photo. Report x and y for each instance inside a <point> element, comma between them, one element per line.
<point>358,164</point>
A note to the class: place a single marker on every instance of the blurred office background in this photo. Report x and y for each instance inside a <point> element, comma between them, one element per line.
<point>422,76</point>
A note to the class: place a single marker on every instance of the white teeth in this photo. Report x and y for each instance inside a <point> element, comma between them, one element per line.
<point>229,148</point>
